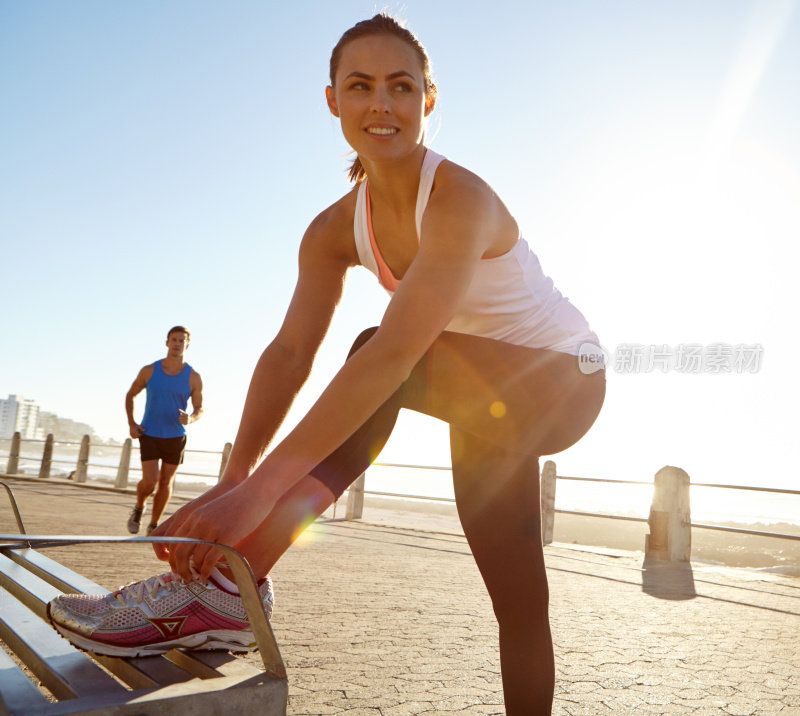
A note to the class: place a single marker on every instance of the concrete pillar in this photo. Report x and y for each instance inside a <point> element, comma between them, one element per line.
<point>83,460</point>
<point>47,458</point>
<point>13,456</point>
<point>548,500</point>
<point>670,537</point>
<point>226,455</point>
<point>355,498</point>
<point>124,465</point>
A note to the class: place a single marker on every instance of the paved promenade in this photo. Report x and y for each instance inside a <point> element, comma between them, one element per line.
<point>380,620</point>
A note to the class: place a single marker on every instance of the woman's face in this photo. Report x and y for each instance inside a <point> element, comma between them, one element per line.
<point>379,97</point>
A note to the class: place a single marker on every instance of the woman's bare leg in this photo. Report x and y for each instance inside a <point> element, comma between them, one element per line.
<point>497,495</point>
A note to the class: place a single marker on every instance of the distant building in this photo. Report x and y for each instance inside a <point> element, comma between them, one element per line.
<point>63,428</point>
<point>18,415</point>
<point>25,417</point>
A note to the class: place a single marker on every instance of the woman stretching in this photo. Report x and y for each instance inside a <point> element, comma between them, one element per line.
<point>474,334</point>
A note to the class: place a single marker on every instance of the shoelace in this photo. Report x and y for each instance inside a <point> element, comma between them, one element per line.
<point>166,581</point>
<point>152,586</point>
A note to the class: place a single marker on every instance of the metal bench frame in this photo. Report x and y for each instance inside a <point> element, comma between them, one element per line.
<point>178,682</point>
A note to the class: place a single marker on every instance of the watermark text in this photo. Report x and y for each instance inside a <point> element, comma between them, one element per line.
<point>689,358</point>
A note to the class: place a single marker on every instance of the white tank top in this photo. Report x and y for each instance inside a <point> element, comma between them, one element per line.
<point>510,299</point>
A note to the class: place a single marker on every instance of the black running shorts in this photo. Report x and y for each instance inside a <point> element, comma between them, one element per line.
<point>169,450</point>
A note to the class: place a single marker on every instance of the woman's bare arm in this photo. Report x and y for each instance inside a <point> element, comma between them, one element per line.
<point>457,231</point>
<point>286,363</point>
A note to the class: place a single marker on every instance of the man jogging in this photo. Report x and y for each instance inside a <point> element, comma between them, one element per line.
<point>169,382</point>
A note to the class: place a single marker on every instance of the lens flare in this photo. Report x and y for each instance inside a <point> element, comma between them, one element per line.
<point>497,409</point>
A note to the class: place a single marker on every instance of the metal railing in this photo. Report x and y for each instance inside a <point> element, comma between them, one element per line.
<point>739,530</point>
<point>605,515</point>
<point>429,498</point>
<point>357,491</point>
<point>82,461</point>
<point>698,525</point>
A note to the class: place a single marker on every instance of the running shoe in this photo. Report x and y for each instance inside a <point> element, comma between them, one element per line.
<point>150,529</point>
<point>156,615</point>
<point>134,519</point>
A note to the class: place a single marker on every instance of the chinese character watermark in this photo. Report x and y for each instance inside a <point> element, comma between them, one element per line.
<point>689,358</point>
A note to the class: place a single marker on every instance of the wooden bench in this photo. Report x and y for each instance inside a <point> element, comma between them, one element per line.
<point>178,682</point>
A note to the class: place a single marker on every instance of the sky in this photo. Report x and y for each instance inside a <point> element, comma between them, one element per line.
<point>160,160</point>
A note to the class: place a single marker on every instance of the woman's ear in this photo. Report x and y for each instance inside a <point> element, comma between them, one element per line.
<point>430,100</point>
<point>330,98</point>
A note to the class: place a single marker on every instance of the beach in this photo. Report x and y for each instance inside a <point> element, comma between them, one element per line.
<point>708,546</point>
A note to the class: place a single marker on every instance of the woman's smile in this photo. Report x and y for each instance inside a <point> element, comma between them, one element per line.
<point>382,131</point>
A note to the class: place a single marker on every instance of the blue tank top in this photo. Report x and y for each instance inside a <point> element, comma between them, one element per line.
<point>166,394</point>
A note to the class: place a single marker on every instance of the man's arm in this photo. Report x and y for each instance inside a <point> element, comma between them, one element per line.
<point>196,384</point>
<point>137,387</point>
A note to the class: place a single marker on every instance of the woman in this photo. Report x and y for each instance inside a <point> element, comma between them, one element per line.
<point>474,334</point>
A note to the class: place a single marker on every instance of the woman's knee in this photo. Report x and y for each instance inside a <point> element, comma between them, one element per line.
<point>521,606</point>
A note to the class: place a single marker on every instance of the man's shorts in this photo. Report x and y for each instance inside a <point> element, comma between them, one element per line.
<point>170,450</point>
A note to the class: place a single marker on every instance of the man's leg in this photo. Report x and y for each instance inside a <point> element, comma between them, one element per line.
<point>143,490</point>
<point>148,482</point>
<point>163,491</point>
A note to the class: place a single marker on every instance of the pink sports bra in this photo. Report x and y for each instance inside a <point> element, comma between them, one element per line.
<point>367,247</point>
<point>385,276</point>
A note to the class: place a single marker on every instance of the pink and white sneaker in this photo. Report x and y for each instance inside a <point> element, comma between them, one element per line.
<point>156,615</point>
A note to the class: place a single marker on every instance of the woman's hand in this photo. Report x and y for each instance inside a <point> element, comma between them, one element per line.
<point>168,526</point>
<point>227,519</point>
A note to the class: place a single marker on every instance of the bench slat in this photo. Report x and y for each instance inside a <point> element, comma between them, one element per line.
<point>205,665</point>
<point>33,592</point>
<point>144,672</point>
<point>222,662</point>
<point>53,572</point>
<point>18,691</point>
<point>64,670</point>
<point>215,697</point>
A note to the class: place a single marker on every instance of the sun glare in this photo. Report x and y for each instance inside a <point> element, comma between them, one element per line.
<point>766,29</point>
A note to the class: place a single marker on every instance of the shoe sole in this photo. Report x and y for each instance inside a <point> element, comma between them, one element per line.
<point>222,639</point>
